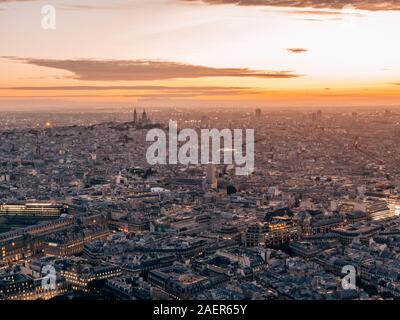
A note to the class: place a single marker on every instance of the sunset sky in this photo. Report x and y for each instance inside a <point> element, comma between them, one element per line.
<point>207,52</point>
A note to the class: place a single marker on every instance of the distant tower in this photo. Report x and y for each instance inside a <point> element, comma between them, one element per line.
<point>397,132</point>
<point>319,115</point>
<point>205,122</point>
<point>211,177</point>
<point>314,117</point>
<point>134,116</point>
<point>144,117</point>
<point>354,116</point>
<point>258,113</point>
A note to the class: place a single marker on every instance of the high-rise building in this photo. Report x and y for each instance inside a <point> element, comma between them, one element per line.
<point>258,113</point>
<point>319,115</point>
<point>313,117</point>
<point>211,177</point>
<point>135,116</point>
<point>145,119</point>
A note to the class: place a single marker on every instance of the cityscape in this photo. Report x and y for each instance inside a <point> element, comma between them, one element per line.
<point>124,174</point>
<point>81,199</point>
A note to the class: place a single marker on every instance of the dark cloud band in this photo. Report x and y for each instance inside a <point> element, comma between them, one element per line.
<point>372,5</point>
<point>297,50</point>
<point>145,70</point>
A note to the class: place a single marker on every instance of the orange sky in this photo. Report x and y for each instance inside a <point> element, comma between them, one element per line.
<point>175,51</point>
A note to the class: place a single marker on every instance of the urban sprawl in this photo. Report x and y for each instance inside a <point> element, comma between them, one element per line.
<point>84,216</point>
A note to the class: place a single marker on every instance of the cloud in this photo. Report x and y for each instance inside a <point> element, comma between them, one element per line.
<point>325,15</point>
<point>93,7</point>
<point>297,50</point>
<point>372,5</point>
<point>106,88</point>
<point>141,70</point>
<point>316,12</point>
<point>81,7</point>
<point>84,7</point>
<point>10,1</point>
